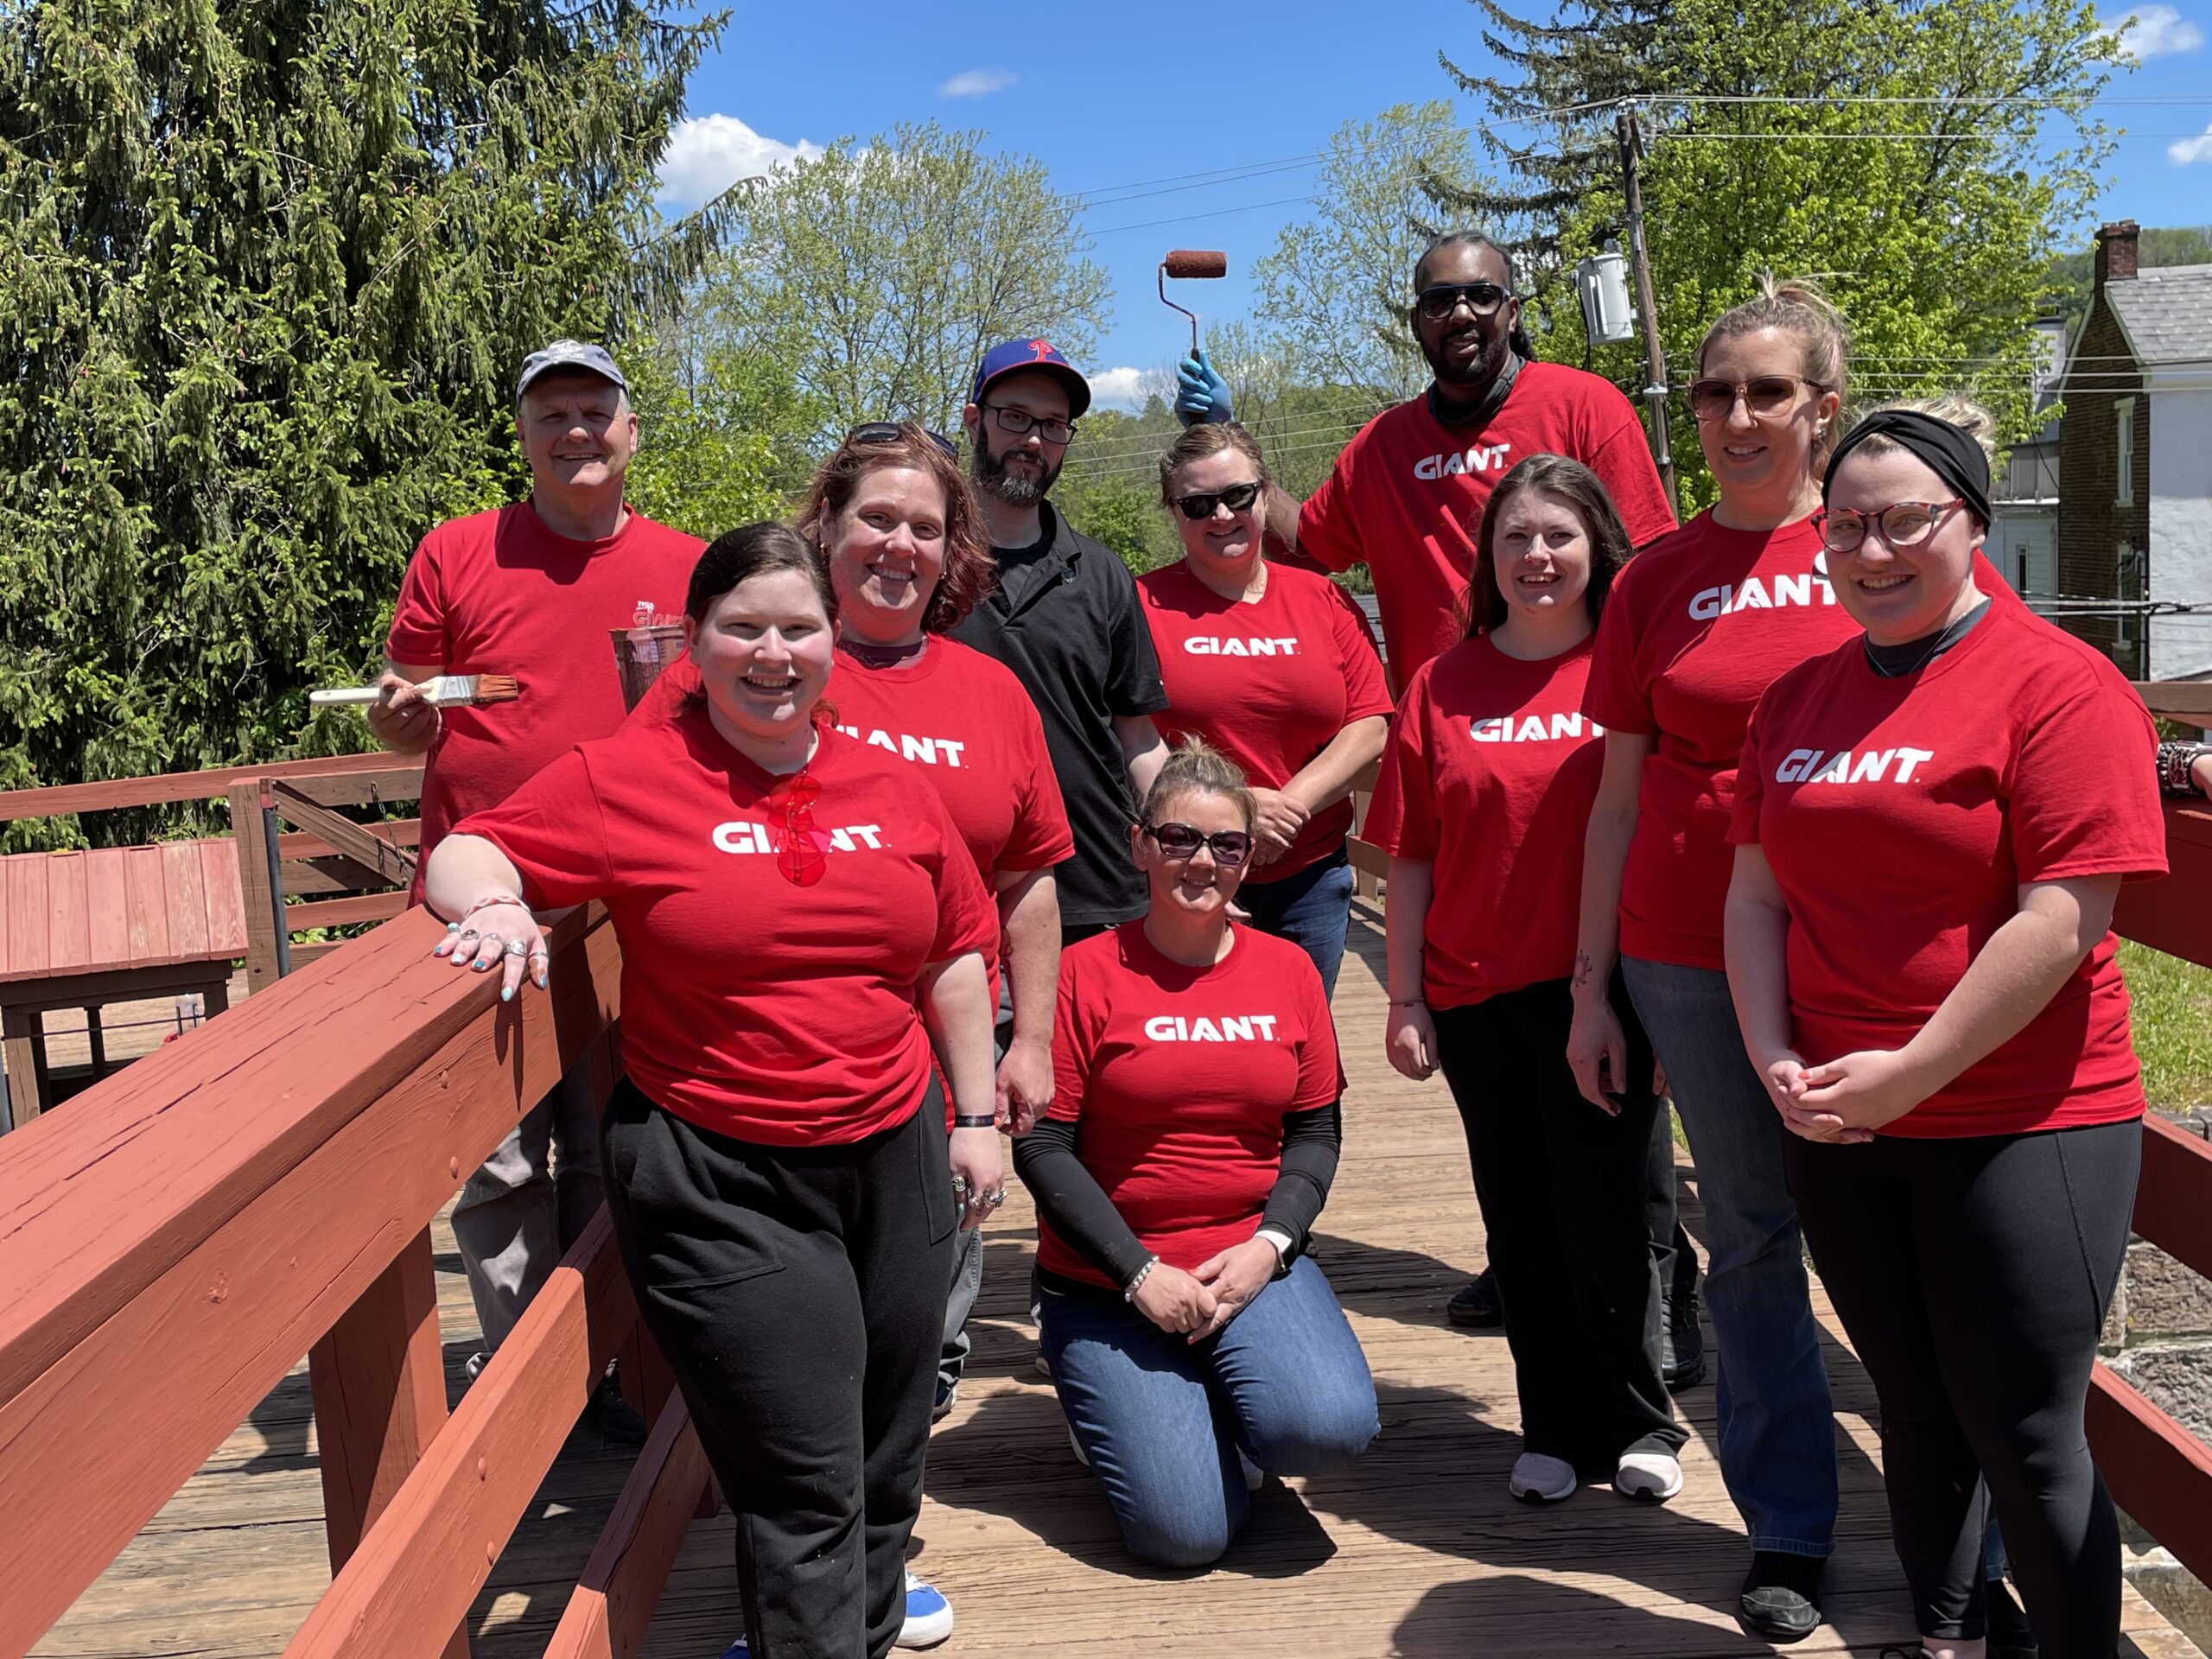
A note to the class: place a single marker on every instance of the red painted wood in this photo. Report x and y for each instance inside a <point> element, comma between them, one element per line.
<point>2158,1472</point>
<point>344,912</point>
<point>2173,1200</point>
<point>178,785</point>
<point>68,938</point>
<point>2174,914</point>
<point>185,894</point>
<point>218,875</point>
<point>26,914</point>
<point>614,1602</point>
<point>109,903</point>
<point>421,1566</point>
<point>149,899</point>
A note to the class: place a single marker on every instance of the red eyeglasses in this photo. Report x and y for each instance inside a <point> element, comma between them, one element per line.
<point>800,851</point>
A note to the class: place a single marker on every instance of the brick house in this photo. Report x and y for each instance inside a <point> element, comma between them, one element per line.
<point>2135,459</point>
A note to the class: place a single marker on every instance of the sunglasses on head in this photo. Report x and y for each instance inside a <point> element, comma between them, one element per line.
<point>1230,846</point>
<point>1437,304</point>
<point>1237,497</point>
<point>890,432</point>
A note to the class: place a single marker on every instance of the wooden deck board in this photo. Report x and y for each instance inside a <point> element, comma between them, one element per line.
<point>1418,1551</point>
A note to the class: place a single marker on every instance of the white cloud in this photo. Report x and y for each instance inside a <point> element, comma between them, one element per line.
<point>2191,150</point>
<point>2156,32</point>
<point>1123,388</point>
<point>710,152</point>
<point>978,83</point>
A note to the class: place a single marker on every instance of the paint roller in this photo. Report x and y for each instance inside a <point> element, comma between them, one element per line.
<point>1190,263</point>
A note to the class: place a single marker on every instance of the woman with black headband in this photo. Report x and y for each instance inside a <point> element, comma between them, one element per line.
<point>1932,822</point>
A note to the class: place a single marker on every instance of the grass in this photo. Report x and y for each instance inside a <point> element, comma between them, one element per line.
<point>2173,1027</point>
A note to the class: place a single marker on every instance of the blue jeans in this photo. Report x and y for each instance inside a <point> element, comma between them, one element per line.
<point>1777,1426</point>
<point>1310,909</point>
<point>1161,1420</point>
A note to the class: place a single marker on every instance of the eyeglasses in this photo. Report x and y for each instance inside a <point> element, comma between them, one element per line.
<point>1021,420</point>
<point>1905,524</point>
<point>1437,304</point>
<point>799,853</point>
<point>892,432</point>
<point>1766,395</point>
<point>1180,841</point>
<point>1237,497</point>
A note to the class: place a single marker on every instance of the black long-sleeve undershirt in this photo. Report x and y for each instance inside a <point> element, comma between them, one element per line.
<point>1069,1195</point>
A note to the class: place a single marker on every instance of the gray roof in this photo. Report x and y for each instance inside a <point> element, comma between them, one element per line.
<point>2167,312</point>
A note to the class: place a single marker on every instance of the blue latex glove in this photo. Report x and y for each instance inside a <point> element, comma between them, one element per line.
<point>1201,394</point>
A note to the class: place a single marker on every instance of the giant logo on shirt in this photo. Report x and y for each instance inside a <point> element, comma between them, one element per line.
<point>1241,647</point>
<point>1479,458</point>
<point>1229,1028</point>
<point>1778,593</point>
<point>1867,766</point>
<point>930,751</point>
<point>740,836</point>
<point>1534,728</point>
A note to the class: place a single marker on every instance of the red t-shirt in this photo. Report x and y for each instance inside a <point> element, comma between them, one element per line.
<point>1177,1079</point>
<point>1406,496</point>
<point>499,592</point>
<point>1269,683</point>
<point>1489,777</point>
<point>1900,817</point>
<point>752,1007</point>
<point>1696,626</point>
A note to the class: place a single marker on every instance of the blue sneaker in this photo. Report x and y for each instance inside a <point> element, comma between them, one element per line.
<point>738,1650</point>
<point>929,1615</point>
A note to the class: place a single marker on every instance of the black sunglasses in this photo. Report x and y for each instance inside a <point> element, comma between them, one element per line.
<point>1237,497</point>
<point>892,432</point>
<point>1230,847</point>
<point>1437,304</point>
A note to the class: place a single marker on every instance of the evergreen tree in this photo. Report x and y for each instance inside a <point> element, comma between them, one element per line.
<point>1921,158</point>
<point>267,270</point>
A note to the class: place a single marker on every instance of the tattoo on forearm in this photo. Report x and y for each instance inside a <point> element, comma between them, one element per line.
<point>1581,969</point>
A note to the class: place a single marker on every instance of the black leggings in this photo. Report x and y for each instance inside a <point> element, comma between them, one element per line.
<point>798,1292</point>
<point>1563,1187</point>
<point>1973,1276</point>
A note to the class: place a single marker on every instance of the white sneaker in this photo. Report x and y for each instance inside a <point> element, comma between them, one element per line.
<point>1254,1476</point>
<point>929,1615</point>
<point>1648,1476</point>
<point>1540,1479</point>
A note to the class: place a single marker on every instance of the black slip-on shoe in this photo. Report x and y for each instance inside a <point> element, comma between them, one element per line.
<point>2011,1636</point>
<point>1682,1343</point>
<point>1781,1598</point>
<point>1475,1304</point>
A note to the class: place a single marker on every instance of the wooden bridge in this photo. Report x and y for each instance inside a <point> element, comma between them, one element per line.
<point>174,1480</point>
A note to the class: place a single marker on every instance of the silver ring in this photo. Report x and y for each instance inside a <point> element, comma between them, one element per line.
<point>541,955</point>
<point>453,927</point>
<point>517,947</point>
<point>996,1199</point>
<point>468,933</point>
<point>960,1183</point>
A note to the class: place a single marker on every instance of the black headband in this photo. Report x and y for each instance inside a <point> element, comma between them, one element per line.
<point>1952,453</point>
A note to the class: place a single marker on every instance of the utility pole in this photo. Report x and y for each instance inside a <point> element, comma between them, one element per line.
<point>1655,359</point>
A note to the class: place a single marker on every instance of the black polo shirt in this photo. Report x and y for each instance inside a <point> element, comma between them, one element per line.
<point>1066,619</point>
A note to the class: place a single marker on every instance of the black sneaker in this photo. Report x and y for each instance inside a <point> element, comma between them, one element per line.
<point>948,1396</point>
<point>2011,1636</point>
<point>1681,1342</point>
<point>1781,1598</point>
<point>1475,1305</point>
<point>612,1417</point>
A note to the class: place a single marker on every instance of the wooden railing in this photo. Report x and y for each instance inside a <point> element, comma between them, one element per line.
<point>263,1189</point>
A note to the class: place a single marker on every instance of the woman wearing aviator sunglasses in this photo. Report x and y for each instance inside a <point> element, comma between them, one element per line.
<point>1932,822</point>
<point>1274,667</point>
<point>802,931</point>
<point>1191,1140</point>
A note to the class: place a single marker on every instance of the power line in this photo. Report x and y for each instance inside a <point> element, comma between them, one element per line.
<point>1185,218</point>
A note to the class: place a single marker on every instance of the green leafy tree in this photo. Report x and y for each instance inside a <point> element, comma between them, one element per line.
<point>1333,292</point>
<point>265,277</point>
<point>1921,158</point>
<point>881,272</point>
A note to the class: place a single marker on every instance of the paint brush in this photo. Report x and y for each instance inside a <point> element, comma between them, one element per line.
<point>446,690</point>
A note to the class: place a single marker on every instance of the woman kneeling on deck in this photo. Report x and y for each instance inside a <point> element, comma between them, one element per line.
<point>799,919</point>
<point>1192,1135</point>
<point>1482,803</point>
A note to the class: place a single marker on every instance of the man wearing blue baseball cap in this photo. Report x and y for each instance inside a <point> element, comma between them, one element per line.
<point>531,590</point>
<point>1065,619</point>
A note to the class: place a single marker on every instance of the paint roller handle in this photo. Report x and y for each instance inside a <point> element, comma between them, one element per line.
<point>1201,394</point>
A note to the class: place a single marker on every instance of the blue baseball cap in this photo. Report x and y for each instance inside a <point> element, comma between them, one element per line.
<point>569,354</point>
<point>1033,356</point>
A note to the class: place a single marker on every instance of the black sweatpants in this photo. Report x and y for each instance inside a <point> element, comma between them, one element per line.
<point>1563,1187</point>
<point>1973,1276</point>
<point>798,1294</point>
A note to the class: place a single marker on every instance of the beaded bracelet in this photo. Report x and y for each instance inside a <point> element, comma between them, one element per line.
<point>1129,1291</point>
<point>2176,763</point>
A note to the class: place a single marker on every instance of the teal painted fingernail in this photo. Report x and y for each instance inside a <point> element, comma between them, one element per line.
<point>506,992</point>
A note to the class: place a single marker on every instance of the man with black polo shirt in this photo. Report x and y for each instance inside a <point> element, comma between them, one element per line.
<point>1066,619</point>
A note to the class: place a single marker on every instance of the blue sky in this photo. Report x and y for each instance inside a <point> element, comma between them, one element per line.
<point>1137,95</point>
